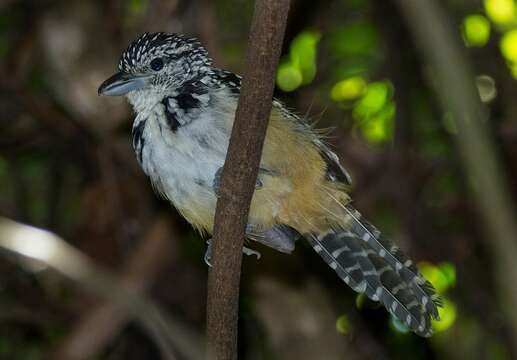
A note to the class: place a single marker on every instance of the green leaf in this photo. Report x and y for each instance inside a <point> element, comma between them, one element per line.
<point>289,77</point>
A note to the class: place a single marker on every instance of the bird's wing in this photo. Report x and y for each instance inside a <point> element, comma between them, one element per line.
<point>335,172</point>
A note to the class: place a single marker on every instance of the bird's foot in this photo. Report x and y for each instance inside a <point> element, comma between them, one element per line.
<point>245,251</point>
<point>248,251</point>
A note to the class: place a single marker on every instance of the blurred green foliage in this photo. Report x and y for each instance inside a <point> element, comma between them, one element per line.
<point>476,30</point>
<point>374,113</point>
<point>343,325</point>
<point>354,46</point>
<point>299,67</point>
<point>349,89</point>
<point>137,7</point>
<point>501,12</point>
<point>356,38</point>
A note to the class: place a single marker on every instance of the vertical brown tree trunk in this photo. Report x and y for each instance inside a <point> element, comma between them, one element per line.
<point>240,173</point>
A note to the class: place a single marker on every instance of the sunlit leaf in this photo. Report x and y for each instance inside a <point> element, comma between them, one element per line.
<point>343,325</point>
<point>448,315</point>
<point>379,127</point>
<point>513,70</point>
<point>501,12</point>
<point>300,66</point>
<point>449,271</point>
<point>476,30</point>
<point>442,276</point>
<point>348,89</point>
<point>376,96</point>
<point>303,54</point>
<point>288,77</point>
<point>508,45</point>
<point>360,300</point>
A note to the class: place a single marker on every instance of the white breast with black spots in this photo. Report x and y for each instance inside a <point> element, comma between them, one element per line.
<point>182,164</point>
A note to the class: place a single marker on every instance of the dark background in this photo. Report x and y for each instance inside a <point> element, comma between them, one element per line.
<point>66,165</point>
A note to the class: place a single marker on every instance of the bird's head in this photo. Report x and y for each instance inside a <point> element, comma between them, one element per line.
<point>156,63</point>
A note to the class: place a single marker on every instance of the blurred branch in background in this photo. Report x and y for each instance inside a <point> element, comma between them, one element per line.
<point>125,296</point>
<point>103,322</point>
<point>436,40</point>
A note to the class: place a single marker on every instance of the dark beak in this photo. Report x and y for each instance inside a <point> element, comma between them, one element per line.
<point>121,83</point>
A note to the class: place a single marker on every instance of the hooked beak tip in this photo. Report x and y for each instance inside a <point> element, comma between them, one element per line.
<point>121,84</point>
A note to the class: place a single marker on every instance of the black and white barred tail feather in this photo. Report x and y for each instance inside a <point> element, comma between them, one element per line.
<point>365,271</point>
<point>391,253</point>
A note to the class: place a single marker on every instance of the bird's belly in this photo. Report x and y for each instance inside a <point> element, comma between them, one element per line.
<point>183,172</point>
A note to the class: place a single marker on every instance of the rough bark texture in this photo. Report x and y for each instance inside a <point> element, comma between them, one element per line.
<point>240,173</point>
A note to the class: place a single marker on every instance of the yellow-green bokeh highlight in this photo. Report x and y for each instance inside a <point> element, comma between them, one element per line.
<point>137,7</point>
<point>508,45</point>
<point>380,127</point>
<point>299,67</point>
<point>360,300</point>
<point>288,77</point>
<point>442,276</point>
<point>343,325</point>
<point>374,112</point>
<point>448,314</point>
<point>303,54</point>
<point>348,89</point>
<point>476,30</point>
<point>501,12</point>
<point>374,99</point>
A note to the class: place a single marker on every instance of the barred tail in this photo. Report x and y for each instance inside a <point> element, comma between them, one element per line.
<point>392,254</point>
<point>366,270</point>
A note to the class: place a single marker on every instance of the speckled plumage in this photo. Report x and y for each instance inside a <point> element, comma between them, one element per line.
<point>181,132</point>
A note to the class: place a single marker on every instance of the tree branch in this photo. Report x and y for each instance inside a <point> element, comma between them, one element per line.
<point>240,173</point>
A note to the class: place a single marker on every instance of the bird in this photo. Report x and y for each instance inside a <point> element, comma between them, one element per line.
<point>185,108</point>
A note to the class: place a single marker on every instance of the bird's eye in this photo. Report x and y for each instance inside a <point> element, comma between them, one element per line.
<point>157,64</point>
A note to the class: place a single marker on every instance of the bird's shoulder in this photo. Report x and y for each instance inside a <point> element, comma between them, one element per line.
<point>229,83</point>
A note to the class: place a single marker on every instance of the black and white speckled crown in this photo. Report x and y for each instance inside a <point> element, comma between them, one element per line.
<point>171,46</point>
